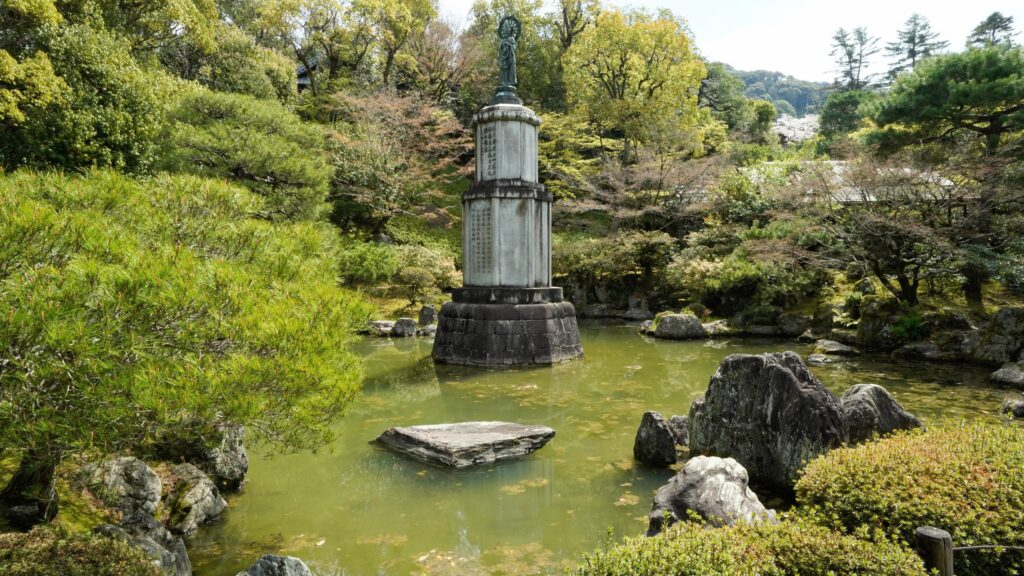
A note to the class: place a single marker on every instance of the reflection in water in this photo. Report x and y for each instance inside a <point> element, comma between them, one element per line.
<point>355,509</point>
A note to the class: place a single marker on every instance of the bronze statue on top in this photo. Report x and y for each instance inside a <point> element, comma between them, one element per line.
<point>508,33</point>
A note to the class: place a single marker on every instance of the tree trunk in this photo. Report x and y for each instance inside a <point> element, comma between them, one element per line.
<point>31,496</point>
<point>974,279</point>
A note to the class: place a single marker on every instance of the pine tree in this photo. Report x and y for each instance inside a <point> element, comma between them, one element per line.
<point>996,29</point>
<point>914,42</point>
<point>853,51</point>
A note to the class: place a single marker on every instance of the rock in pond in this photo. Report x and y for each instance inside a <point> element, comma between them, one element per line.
<point>1014,408</point>
<point>678,327</point>
<point>819,360</point>
<point>718,329</point>
<point>220,453</point>
<point>769,413</point>
<point>870,410</point>
<point>1010,374</point>
<point>680,426</point>
<point>381,327</point>
<point>193,500</point>
<point>125,483</point>
<point>465,444</point>
<point>428,315</point>
<point>924,349</point>
<point>271,565</point>
<point>655,442</point>
<point>167,551</point>
<point>713,487</point>
<point>404,328</point>
<point>833,348</point>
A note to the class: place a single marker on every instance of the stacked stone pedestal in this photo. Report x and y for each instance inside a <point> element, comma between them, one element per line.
<point>508,314</point>
<point>541,330</point>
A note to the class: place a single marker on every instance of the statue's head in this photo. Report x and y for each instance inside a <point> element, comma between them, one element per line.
<point>509,27</point>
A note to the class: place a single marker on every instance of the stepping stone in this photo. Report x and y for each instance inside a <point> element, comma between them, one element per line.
<point>463,444</point>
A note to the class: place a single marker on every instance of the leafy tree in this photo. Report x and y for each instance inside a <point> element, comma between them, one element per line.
<point>161,307</point>
<point>994,30</point>
<point>764,119</point>
<point>445,62</point>
<point>392,155</point>
<point>914,42</point>
<point>806,97</point>
<point>635,74</point>
<point>256,143</point>
<point>852,52</point>
<point>574,17</point>
<point>784,107</point>
<point>721,91</point>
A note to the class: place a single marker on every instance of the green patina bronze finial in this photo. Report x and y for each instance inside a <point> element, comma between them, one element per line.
<point>508,32</point>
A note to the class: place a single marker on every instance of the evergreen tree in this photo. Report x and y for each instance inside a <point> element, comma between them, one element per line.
<point>853,52</point>
<point>913,43</point>
<point>996,29</point>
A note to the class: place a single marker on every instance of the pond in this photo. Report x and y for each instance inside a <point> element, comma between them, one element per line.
<point>355,509</point>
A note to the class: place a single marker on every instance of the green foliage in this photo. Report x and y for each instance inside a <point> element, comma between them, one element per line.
<point>974,93</point>
<point>844,111</point>
<point>148,305</point>
<point>45,552</point>
<point>635,74</point>
<point>367,263</point>
<point>569,155</point>
<point>737,198</point>
<point>256,143</point>
<point>995,30</point>
<point>764,118</point>
<point>621,254</point>
<point>909,327</point>
<point>790,547</point>
<point>239,65</point>
<point>102,110</point>
<point>963,478</point>
<point>721,91</point>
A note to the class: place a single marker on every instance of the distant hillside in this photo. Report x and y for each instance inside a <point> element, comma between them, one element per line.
<point>790,95</point>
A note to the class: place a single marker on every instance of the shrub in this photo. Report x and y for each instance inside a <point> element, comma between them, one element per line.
<point>258,144</point>
<point>962,478</point>
<point>44,552</point>
<point>790,547</point>
<point>145,306</point>
<point>367,263</point>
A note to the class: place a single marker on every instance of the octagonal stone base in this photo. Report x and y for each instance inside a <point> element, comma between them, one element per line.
<point>503,334</point>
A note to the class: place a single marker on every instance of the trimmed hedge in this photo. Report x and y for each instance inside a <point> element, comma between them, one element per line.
<point>964,478</point>
<point>790,547</point>
<point>44,552</point>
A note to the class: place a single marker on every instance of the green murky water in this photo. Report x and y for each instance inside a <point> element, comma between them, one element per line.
<point>353,509</point>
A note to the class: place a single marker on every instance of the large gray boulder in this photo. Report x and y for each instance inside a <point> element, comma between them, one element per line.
<point>193,500</point>
<point>769,413</point>
<point>381,327</point>
<point>126,484</point>
<point>466,443</point>
<point>871,411</point>
<point>1011,374</point>
<point>167,551</point>
<point>404,328</point>
<point>678,327</point>
<point>271,565</point>
<point>713,487</point>
<point>428,315</point>
<point>655,442</point>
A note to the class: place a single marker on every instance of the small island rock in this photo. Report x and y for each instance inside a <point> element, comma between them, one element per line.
<point>833,348</point>
<point>655,442</point>
<point>466,443</point>
<point>271,565</point>
<point>870,410</point>
<point>678,327</point>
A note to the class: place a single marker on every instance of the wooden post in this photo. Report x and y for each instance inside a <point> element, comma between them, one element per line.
<point>935,546</point>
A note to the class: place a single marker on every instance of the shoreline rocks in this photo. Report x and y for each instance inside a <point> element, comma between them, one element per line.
<point>273,565</point>
<point>463,444</point>
<point>678,327</point>
<point>193,500</point>
<point>769,413</point>
<point>870,410</point>
<point>834,348</point>
<point>715,488</point>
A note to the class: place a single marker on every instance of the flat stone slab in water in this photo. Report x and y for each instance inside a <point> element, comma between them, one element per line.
<point>465,444</point>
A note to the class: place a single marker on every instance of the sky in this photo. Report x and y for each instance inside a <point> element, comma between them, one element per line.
<point>795,36</point>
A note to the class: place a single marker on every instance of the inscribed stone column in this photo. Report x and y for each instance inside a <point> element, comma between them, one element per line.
<point>507,313</point>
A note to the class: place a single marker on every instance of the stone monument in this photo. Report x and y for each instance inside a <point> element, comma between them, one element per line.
<point>507,313</point>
